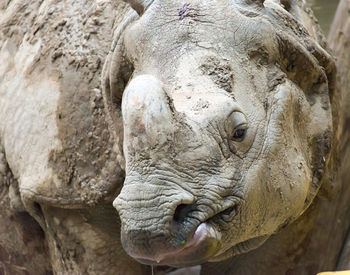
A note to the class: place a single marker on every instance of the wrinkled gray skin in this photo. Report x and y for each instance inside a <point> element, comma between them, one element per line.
<point>227,129</point>
<point>223,111</point>
<point>57,159</point>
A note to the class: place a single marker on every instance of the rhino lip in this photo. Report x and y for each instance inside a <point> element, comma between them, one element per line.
<point>201,245</point>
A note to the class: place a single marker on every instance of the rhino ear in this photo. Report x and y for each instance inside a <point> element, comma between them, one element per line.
<point>139,5</point>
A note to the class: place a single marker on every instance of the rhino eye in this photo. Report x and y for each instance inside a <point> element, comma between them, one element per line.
<point>239,134</point>
<point>236,126</point>
<point>239,139</point>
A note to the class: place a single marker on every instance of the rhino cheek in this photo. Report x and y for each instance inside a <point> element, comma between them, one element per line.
<point>280,180</point>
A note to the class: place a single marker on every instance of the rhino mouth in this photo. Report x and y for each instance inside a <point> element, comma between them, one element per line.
<point>203,243</point>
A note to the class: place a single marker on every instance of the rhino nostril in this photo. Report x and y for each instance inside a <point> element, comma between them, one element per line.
<point>229,213</point>
<point>182,211</point>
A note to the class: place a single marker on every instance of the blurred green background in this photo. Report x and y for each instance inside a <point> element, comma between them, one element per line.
<point>324,11</point>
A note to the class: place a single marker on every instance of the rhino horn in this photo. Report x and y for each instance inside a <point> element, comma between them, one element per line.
<point>139,5</point>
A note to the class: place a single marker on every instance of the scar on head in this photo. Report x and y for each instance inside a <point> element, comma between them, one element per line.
<point>185,11</point>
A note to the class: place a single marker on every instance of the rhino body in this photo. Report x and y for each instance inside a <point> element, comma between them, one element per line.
<point>219,118</point>
<point>54,134</point>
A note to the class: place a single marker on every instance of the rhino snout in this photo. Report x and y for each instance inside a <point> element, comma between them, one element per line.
<point>174,231</point>
<point>165,221</point>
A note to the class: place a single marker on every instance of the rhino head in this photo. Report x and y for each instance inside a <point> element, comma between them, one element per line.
<point>227,125</point>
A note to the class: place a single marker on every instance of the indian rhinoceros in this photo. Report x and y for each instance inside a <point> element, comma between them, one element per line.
<point>219,118</point>
<point>227,130</point>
